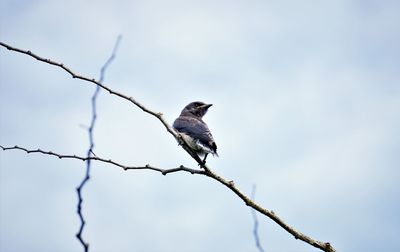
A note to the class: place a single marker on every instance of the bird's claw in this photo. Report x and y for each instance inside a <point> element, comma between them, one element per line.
<point>202,164</point>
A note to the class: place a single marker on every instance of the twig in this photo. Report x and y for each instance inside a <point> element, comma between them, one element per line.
<point>91,147</point>
<point>108,161</point>
<point>255,229</point>
<point>325,246</point>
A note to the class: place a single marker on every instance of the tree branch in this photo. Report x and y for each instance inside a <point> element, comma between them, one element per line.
<point>158,115</point>
<point>255,229</point>
<point>91,147</point>
<point>108,161</point>
<point>207,171</point>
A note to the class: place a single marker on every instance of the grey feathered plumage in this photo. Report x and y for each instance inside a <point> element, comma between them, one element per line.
<point>195,130</point>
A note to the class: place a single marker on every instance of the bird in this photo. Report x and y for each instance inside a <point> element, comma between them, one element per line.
<point>194,130</point>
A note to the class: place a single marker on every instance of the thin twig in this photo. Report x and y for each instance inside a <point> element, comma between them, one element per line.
<point>255,229</point>
<point>91,147</point>
<point>108,161</point>
<point>325,246</point>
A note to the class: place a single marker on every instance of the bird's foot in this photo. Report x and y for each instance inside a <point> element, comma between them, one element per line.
<point>203,162</point>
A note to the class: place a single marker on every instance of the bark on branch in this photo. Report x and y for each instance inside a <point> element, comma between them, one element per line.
<point>325,246</point>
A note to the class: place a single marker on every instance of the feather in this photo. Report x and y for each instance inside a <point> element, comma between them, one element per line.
<point>198,131</point>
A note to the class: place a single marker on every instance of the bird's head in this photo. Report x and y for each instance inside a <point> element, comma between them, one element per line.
<point>198,109</point>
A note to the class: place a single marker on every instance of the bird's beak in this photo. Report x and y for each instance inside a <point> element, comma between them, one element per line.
<point>206,106</point>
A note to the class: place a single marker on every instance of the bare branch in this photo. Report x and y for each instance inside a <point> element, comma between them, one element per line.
<point>91,147</point>
<point>323,246</point>
<point>108,161</point>
<point>255,229</point>
<point>207,171</point>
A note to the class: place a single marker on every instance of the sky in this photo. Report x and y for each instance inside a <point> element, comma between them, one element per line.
<point>306,101</point>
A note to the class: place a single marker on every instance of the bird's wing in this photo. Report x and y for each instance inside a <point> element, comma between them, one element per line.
<point>197,129</point>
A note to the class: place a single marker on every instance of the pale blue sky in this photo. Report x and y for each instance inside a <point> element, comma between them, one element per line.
<point>306,101</point>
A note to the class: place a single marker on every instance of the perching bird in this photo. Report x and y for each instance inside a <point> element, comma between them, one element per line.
<point>194,130</point>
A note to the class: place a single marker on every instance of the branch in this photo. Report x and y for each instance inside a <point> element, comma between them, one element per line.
<point>207,171</point>
<point>323,246</point>
<point>91,147</point>
<point>255,229</point>
<point>108,161</point>
<point>158,115</point>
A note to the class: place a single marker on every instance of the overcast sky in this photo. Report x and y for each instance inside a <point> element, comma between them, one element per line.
<point>306,101</point>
